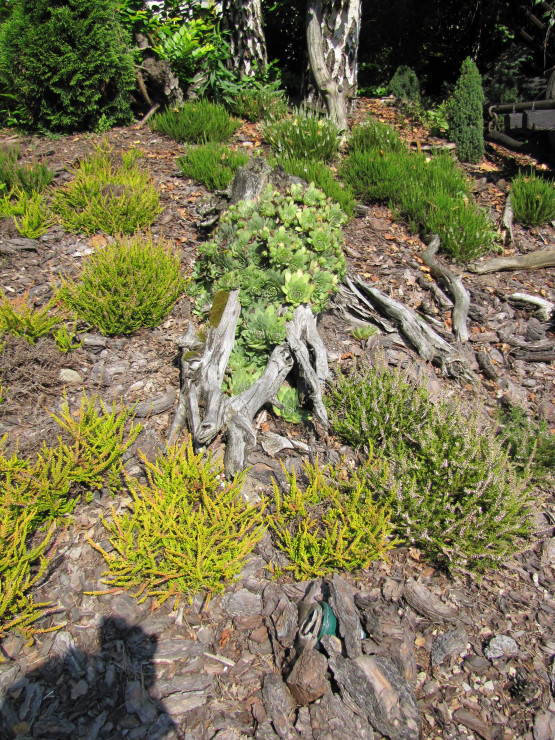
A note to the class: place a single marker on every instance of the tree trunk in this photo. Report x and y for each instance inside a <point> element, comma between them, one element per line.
<point>243,20</point>
<point>332,30</point>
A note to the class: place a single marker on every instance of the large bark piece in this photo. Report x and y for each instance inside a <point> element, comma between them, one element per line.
<point>208,411</point>
<point>532,261</point>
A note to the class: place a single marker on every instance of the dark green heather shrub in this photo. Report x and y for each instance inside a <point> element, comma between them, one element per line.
<point>404,84</point>
<point>533,199</point>
<point>431,192</point>
<point>196,122</point>
<point>212,164</point>
<point>465,113</point>
<point>68,63</point>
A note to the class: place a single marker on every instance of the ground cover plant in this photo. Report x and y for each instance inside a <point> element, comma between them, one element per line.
<point>322,176</point>
<point>197,122</point>
<point>29,178</point>
<point>533,199</point>
<point>124,286</point>
<point>281,251</point>
<point>67,64</point>
<point>453,491</point>
<point>37,494</point>
<point>30,212</point>
<point>19,318</point>
<point>303,135</point>
<point>431,192</point>
<point>186,531</point>
<point>256,100</point>
<point>108,195</point>
<point>528,442</point>
<point>333,523</point>
<point>212,164</point>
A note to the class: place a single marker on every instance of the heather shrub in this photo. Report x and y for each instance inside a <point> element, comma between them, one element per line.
<point>125,286</point>
<point>451,485</point>
<point>432,193</point>
<point>28,178</point>
<point>108,195</point>
<point>465,114</point>
<point>212,164</point>
<point>334,522</point>
<point>533,199</point>
<point>68,64</point>
<point>303,135</point>
<point>185,531</point>
<point>197,122</point>
<point>404,84</point>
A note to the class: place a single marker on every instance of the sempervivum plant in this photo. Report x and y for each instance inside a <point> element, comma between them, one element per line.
<point>280,252</point>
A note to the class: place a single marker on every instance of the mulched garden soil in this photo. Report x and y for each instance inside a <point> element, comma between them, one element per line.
<point>117,668</point>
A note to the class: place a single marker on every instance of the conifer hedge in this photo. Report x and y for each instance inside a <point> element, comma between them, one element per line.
<point>67,64</point>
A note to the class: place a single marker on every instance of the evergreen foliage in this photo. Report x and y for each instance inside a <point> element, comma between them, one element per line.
<point>448,478</point>
<point>129,284</point>
<point>533,199</point>
<point>465,113</point>
<point>404,84</point>
<point>67,63</point>
<point>212,164</point>
<point>197,122</point>
<point>335,522</point>
<point>432,192</point>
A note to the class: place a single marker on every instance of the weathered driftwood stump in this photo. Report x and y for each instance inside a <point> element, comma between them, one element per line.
<point>208,411</point>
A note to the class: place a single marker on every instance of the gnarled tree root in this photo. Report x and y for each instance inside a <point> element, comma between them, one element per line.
<point>429,345</point>
<point>532,261</point>
<point>208,411</point>
<point>455,287</point>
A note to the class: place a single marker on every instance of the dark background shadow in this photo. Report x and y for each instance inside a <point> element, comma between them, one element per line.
<point>92,696</point>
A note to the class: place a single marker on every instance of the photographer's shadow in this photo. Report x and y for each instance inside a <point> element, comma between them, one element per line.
<point>91,696</point>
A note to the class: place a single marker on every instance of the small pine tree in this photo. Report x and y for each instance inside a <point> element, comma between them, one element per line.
<point>465,114</point>
<point>67,63</point>
<point>404,84</point>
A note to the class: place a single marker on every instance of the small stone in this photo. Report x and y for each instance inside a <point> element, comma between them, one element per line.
<point>67,375</point>
<point>453,641</point>
<point>489,687</point>
<point>79,689</point>
<point>243,603</point>
<point>501,646</point>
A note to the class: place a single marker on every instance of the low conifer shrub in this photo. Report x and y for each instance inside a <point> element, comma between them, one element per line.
<point>453,490</point>
<point>465,114</point>
<point>197,122</point>
<point>212,164</point>
<point>533,199</point>
<point>257,101</point>
<point>68,64</point>
<point>130,284</point>
<point>404,85</point>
